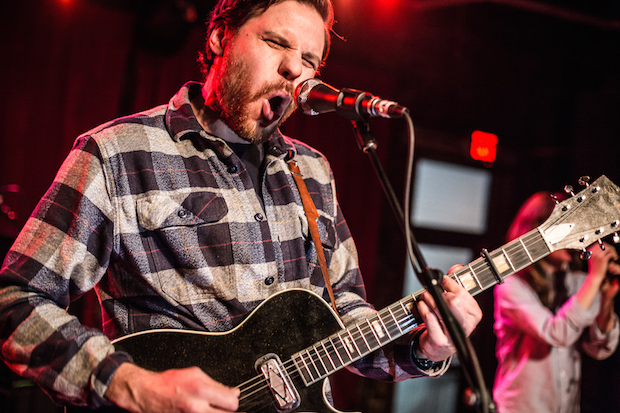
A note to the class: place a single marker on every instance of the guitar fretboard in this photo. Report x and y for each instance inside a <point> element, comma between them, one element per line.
<point>362,338</point>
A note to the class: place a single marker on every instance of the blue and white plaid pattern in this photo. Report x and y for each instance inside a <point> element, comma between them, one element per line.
<point>162,219</point>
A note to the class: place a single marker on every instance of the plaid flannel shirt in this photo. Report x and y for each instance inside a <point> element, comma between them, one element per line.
<point>162,219</point>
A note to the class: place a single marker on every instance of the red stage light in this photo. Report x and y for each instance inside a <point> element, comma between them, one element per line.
<point>483,146</point>
<point>388,5</point>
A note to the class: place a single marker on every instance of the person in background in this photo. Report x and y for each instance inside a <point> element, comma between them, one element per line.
<point>546,316</point>
<point>188,216</point>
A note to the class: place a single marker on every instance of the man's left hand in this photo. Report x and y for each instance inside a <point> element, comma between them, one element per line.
<point>435,343</point>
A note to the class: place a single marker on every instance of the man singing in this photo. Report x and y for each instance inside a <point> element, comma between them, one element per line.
<point>187,216</point>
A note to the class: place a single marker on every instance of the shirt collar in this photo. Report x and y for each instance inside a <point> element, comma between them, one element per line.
<point>180,117</point>
<point>181,120</point>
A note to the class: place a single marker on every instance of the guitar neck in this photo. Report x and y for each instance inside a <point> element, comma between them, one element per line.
<point>362,338</point>
<point>489,270</point>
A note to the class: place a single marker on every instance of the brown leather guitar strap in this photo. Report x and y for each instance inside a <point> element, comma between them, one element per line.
<point>312,215</point>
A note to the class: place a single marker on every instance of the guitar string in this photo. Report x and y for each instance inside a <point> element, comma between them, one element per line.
<point>330,348</point>
<point>480,267</point>
<point>291,370</point>
<point>333,347</point>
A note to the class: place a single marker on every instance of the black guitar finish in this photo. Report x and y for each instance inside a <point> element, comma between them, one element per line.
<point>282,325</point>
<point>301,329</point>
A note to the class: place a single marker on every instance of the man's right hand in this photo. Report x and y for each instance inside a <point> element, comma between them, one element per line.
<point>187,390</point>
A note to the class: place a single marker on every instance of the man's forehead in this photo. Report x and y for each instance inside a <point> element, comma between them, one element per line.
<point>294,21</point>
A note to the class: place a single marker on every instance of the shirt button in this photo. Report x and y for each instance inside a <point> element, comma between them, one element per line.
<point>259,217</point>
<point>269,280</point>
<point>182,213</point>
<point>232,169</point>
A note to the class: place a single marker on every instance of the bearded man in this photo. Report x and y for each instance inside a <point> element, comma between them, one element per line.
<point>188,216</point>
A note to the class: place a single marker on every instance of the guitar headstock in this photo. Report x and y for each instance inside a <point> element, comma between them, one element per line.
<point>585,217</point>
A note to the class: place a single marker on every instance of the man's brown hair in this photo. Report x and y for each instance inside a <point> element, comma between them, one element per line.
<point>232,14</point>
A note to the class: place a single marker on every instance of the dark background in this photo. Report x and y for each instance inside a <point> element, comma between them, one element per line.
<point>542,75</point>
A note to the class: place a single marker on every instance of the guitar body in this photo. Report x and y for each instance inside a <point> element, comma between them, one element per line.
<point>283,325</point>
<point>280,355</point>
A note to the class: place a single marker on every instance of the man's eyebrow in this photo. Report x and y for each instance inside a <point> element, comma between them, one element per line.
<point>277,36</point>
<point>313,58</point>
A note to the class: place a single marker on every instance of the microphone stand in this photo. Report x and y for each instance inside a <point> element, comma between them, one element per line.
<point>430,278</point>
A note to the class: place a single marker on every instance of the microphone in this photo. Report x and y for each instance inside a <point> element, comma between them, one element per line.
<point>313,97</point>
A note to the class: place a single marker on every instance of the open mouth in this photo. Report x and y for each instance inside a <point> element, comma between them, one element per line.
<point>275,106</point>
<point>276,103</point>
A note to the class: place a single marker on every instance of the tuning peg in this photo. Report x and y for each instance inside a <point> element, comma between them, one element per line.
<point>600,244</point>
<point>555,198</point>
<point>569,190</point>
<point>584,181</point>
<point>616,238</point>
<point>585,255</point>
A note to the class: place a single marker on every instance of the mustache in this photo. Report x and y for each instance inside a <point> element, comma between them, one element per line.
<point>274,87</point>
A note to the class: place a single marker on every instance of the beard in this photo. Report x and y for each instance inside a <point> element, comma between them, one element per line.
<point>233,99</point>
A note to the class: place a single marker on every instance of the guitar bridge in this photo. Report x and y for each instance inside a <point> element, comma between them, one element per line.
<point>282,389</point>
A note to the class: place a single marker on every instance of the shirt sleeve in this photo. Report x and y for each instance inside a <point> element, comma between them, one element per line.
<point>599,345</point>
<point>520,308</point>
<point>62,251</point>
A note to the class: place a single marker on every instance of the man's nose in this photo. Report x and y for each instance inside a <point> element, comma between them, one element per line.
<point>291,66</point>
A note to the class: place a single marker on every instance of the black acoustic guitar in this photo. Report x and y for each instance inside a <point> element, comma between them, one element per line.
<point>282,353</point>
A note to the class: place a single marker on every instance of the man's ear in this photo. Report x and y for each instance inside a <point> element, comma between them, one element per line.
<point>218,41</point>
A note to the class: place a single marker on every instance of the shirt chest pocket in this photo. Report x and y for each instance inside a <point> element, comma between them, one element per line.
<point>185,232</point>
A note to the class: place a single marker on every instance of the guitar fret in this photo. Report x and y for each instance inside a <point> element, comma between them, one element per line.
<point>395,321</point>
<point>371,338</point>
<point>374,330</point>
<point>308,376</point>
<point>362,336</point>
<point>469,279</point>
<point>458,280</point>
<point>325,369</point>
<point>519,255</point>
<point>407,318</point>
<point>316,366</point>
<point>539,247</point>
<point>484,276</point>
<point>331,360</point>
<point>526,251</point>
<point>402,307</point>
<point>475,276</point>
<point>498,261</point>
<point>354,343</point>
<point>508,259</point>
<point>335,347</point>
<point>531,247</point>
<point>314,372</point>
<point>344,346</point>
<point>490,277</point>
<point>384,327</point>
